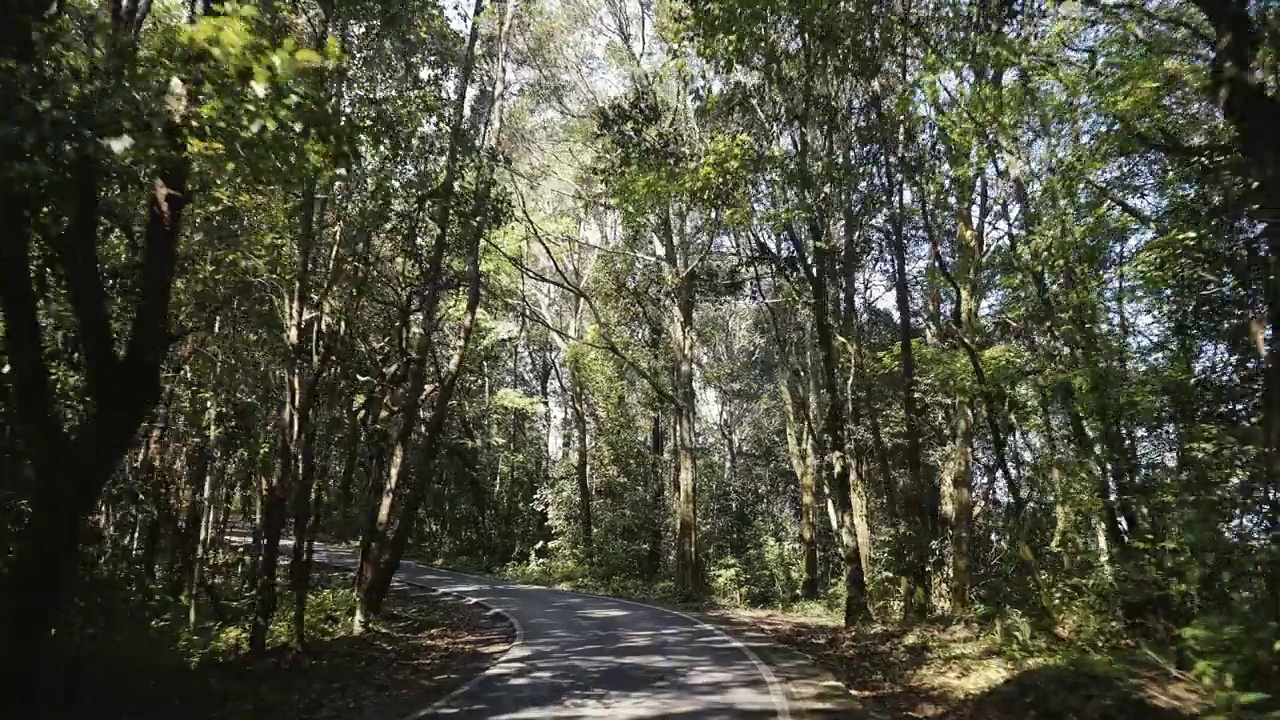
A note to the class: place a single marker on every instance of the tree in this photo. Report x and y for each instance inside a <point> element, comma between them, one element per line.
<point>384,541</point>
<point>72,458</point>
<point>627,293</point>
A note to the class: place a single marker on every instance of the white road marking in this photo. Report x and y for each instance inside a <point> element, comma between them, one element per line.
<point>776,691</point>
<point>516,645</point>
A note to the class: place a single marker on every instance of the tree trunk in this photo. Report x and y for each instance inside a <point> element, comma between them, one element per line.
<point>299,568</point>
<point>205,524</point>
<point>295,464</point>
<point>809,523</point>
<point>372,576</point>
<point>956,509</point>
<point>686,503</point>
<point>843,466</point>
<point>578,402</point>
<point>194,481</point>
<point>369,574</point>
<point>1110,519</point>
<point>1271,426</point>
<point>346,481</point>
<point>916,604</point>
<point>270,527</point>
<point>40,581</point>
<point>658,493</point>
<point>1253,110</point>
<point>71,469</point>
<point>857,418</point>
<point>803,455</point>
<point>294,467</point>
<point>386,540</point>
<point>1109,535</point>
<point>687,570</point>
<point>209,529</point>
<point>580,472</point>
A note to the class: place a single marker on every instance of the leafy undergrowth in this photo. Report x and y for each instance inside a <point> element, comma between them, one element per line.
<point>959,673</point>
<point>141,667</point>
<point>934,671</point>
<point>572,576</point>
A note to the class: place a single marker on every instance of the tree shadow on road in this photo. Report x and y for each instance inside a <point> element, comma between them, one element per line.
<point>587,657</point>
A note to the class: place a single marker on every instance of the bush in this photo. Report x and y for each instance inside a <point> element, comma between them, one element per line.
<point>1236,659</point>
<point>728,581</point>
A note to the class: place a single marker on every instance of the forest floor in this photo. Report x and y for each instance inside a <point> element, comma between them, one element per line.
<point>957,672</point>
<point>424,646</point>
<point>945,671</point>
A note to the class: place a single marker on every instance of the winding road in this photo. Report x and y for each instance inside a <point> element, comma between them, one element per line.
<point>585,656</point>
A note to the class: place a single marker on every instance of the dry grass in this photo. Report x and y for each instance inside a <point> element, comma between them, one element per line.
<point>958,672</point>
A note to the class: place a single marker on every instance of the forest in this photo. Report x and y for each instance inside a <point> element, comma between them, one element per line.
<point>902,313</point>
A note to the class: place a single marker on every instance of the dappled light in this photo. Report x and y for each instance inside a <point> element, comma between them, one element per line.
<point>364,360</point>
<point>584,657</point>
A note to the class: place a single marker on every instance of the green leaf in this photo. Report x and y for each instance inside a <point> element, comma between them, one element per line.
<point>513,399</point>
<point>307,56</point>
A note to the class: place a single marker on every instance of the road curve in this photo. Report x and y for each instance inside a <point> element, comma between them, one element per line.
<point>585,656</point>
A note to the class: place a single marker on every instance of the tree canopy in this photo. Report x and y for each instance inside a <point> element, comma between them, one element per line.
<point>912,309</point>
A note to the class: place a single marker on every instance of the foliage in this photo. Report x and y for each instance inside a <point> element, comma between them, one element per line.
<point>957,310</point>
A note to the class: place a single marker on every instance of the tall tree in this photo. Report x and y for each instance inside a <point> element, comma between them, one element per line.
<point>72,458</point>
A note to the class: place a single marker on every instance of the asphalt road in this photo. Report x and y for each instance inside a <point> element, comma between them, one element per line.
<point>584,656</point>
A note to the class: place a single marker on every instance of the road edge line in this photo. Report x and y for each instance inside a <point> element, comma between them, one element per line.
<point>776,691</point>
<point>516,644</point>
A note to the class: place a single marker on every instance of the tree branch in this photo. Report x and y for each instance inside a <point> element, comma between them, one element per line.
<point>23,337</point>
<point>78,252</point>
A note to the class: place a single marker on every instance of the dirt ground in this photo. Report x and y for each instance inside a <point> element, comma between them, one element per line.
<point>954,673</point>
<point>424,646</point>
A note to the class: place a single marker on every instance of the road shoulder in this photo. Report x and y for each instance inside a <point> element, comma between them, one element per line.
<point>811,692</point>
<point>148,664</point>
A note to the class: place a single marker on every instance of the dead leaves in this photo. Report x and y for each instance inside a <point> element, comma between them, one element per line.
<point>956,673</point>
<point>419,651</point>
<point>423,648</point>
